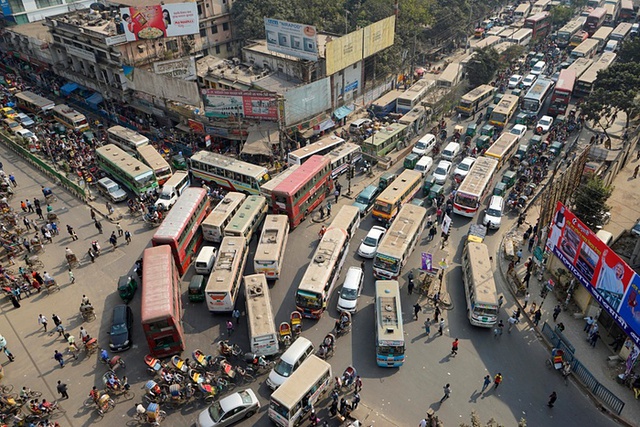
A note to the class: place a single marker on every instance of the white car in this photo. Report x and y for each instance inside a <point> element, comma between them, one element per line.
<point>529,80</point>
<point>544,124</point>
<point>370,243</point>
<point>351,289</point>
<point>514,81</point>
<point>24,120</point>
<point>26,133</point>
<point>518,130</point>
<point>463,168</point>
<point>233,408</point>
<point>442,171</point>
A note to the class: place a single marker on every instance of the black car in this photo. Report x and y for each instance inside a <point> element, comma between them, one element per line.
<point>120,333</point>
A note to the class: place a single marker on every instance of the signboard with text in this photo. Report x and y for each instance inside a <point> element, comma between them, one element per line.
<point>181,68</point>
<point>154,22</point>
<point>598,268</point>
<point>251,104</point>
<point>293,39</point>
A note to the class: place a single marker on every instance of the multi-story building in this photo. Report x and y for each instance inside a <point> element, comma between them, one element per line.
<point>24,11</point>
<point>215,28</point>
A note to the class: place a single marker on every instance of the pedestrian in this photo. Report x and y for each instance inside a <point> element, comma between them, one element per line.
<point>127,237</point>
<point>91,255</point>
<point>556,312</point>
<point>427,327</point>
<point>500,301</point>
<point>62,389</point>
<point>93,214</point>
<point>519,255</point>
<point>432,232</point>
<point>355,401</point>
<point>525,280</point>
<point>229,327</point>
<point>328,208</point>
<point>47,235</point>
<point>447,393</point>
<point>72,278</point>
<point>339,188</point>
<point>59,358</point>
<point>84,335</point>
<point>497,380</point>
<point>436,313</point>
<point>410,286</point>
<point>593,338</point>
<point>454,348</point>
<point>441,327</point>
<point>537,315</point>
<point>119,229</point>
<point>336,194</point>
<point>236,315</point>
<point>416,310</point>
<point>98,226</point>
<point>36,202</point>
<point>39,212</point>
<point>527,296</point>
<point>532,240</point>
<point>56,320</point>
<point>512,321</point>
<point>635,171</point>
<point>588,323</point>
<point>29,206</point>
<point>26,223</point>
<point>54,229</point>
<point>23,206</point>
<point>552,399</point>
<point>358,383</point>
<point>362,264</point>
<point>13,180</point>
<point>113,239</point>
<point>485,383</point>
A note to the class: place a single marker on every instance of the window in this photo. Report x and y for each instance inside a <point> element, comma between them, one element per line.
<point>172,45</point>
<point>229,47</point>
<point>214,29</point>
<point>16,6</point>
<point>199,9</point>
<point>203,32</point>
<point>217,50</point>
<point>225,26</point>
<point>47,3</point>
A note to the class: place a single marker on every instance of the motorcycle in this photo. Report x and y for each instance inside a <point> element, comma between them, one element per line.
<point>257,363</point>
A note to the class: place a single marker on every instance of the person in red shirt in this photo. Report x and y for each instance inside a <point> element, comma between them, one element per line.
<point>454,347</point>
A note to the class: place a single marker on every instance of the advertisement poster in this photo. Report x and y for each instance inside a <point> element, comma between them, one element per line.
<point>250,104</point>
<point>605,275</point>
<point>293,39</point>
<point>182,68</point>
<point>154,22</point>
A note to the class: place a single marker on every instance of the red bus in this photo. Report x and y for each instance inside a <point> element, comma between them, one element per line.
<point>540,23</point>
<point>562,92</point>
<point>595,20</point>
<point>181,228</point>
<point>161,305</point>
<point>302,191</point>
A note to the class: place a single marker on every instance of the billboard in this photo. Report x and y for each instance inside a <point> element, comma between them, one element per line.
<point>293,39</point>
<point>599,269</point>
<point>343,51</point>
<point>306,101</point>
<point>379,35</point>
<point>251,104</point>
<point>154,22</point>
<point>181,68</point>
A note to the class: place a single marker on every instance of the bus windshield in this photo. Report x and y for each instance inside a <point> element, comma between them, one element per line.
<point>145,178</point>
<point>308,299</point>
<point>389,350</point>
<point>498,117</point>
<point>386,263</point>
<point>466,200</point>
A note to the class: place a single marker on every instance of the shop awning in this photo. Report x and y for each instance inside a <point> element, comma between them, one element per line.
<point>183,127</point>
<point>67,89</point>
<point>260,139</point>
<point>342,112</point>
<point>94,100</point>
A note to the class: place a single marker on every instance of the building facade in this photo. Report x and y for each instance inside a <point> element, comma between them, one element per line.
<point>25,11</point>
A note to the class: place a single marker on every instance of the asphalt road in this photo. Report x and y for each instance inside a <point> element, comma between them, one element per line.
<point>403,394</point>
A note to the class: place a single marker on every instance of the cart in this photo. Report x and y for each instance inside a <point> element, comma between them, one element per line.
<point>127,287</point>
<point>51,286</point>
<point>72,260</point>
<point>87,313</point>
<point>296,322</point>
<point>91,346</point>
<point>471,129</point>
<point>285,333</point>
<point>557,358</point>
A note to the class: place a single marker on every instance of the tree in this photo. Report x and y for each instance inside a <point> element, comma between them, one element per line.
<point>560,15</point>
<point>630,51</point>
<point>590,202</point>
<point>510,54</point>
<point>482,66</point>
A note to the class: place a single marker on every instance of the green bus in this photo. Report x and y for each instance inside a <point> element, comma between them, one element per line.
<point>126,169</point>
<point>384,140</point>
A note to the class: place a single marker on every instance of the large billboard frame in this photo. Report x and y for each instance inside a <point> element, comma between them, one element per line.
<point>291,38</point>
<point>251,104</point>
<point>160,21</point>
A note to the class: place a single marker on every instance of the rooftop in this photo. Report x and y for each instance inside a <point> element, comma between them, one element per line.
<point>260,46</point>
<point>141,3</point>
<point>35,30</point>
<point>91,20</point>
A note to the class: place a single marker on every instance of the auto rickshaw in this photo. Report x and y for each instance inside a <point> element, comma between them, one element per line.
<point>196,288</point>
<point>471,129</point>
<point>500,189</point>
<point>385,180</point>
<point>490,109</point>
<point>497,98</point>
<point>429,181</point>
<point>516,92</point>
<point>483,142</point>
<point>560,119</point>
<point>509,178</point>
<point>457,130</point>
<point>434,192</point>
<point>418,202</point>
<point>179,162</point>
<point>411,160</point>
<point>127,287</point>
<point>523,149</point>
<point>536,140</point>
<point>488,130</point>
<point>521,119</point>
<point>555,148</point>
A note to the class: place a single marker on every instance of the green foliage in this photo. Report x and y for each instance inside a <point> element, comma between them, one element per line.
<point>483,66</point>
<point>590,202</point>
<point>560,15</point>
<point>630,51</point>
<point>511,53</point>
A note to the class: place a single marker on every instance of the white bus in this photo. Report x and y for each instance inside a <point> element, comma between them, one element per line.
<point>586,49</point>
<point>569,30</point>
<point>580,66</point>
<point>248,218</point>
<point>451,75</point>
<point>321,147</point>
<point>390,342</point>
<point>150,156</point>
<point>476,100</point>
<point>613,12</point>
<point>70,118</point>
<point>214,224</point>
<point>308,383</point>
<point>269,256</point>
<point>263,336</point>
<point>398,242</point>
<point>522,11</point>
<point>413,96</point>
<point>224,282</point>
<point>127,139</point>
<point>621,31</point>
<point>522,37</point>
<point>343,156</point>
<point>227,172</point>
<point>347,219</point>
<point>322,273</point>
<point>474,186</point>
<point>602,36</point>
<point>35,103</point>
<point>536,96</point>
<point>479,287</point>
<point>584,83</point>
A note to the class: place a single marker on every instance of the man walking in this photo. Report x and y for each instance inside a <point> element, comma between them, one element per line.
<point>72,278</point>
<point>497,380</point>
<point>454,348</point>
<point>447,393</point>
<point>42,320</point>
<point>113,240</point>
<point>552,399</point>
<point>127,237</point>
<point>525,279</point>
<point>526,299</point>
<point>119,229</point>
<point>59,358</point>
<point>556,312</point>
<point>358,384</point>
<point>441,327</point>
<point>512,321</point>
<point>98,225</point>
<point>485,383</point>
<point>588,323</point>
<point>62,389</point>
<point>537,316</point>
<point>416,310</point>
<point>229,327</point>
<point>519,255</point>
<point>236,315</point>
<point>427,327</point>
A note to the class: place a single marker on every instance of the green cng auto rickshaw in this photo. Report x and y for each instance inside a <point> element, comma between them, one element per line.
<point>411,160</point>
<point>434,192</point>
<point>196,288</point>
<point>127,287</point>
<point>429,182</point>
<point>488,130</point>
<point>483,142</point>
<point>500,189</point>
<point>385,180</point>
<point>471,129</point>
<point>509,178</point>
<point>179,162</point>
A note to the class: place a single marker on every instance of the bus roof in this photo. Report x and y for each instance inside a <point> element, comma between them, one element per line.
<point>600,64</point>
<point>506,103</point>
<point>580,65</point>
<point>395,241</point>
<point>158,274</point>
<point>328,141</point>
<point>387,98</point>
<point>230,164</point>
<point>127,133</point>
<point>228,204</point>
<point>259,311</point>
<point>389,311</point>
<point>502,145</point>
<point>539,88</point>
<point>302,379</point>
<point>398,186</point>
<point>326,254</point>
<point>249,208</point>
<point>125,161</point>
<point>176,178</point>
<point>230,255</point>
<point>180,214</point>
<point>268,186</point>
<point>537,17</point>
<point>384,133</point>
<point>344,149</point>
<point>602,33</point>
<point>566,81</point>
<point>152,158</point>
<point>416,89</point>
<point>598,13</point>
<point>479,176</point>
<point>34,98</point>
<point>275,226</point>
<point>482,273</point>
<point>477,92</point>
<point>292,183</point>
<point>67,111</point>
<point>572,26</point>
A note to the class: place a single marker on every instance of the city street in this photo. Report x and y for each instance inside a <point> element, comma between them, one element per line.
<point>402,395</point>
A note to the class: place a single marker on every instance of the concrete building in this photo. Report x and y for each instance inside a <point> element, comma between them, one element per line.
<point>215,28</point>
<point>25,11</point>
<point>30,42</point>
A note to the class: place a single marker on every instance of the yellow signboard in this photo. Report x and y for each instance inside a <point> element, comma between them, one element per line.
<point>344,51</point>
<point>379,35</point>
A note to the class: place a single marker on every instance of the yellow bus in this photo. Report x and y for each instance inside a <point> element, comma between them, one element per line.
<point>224,282</point>
<point>476,100</point>
<point>479,286</point>
<point>503,112</point>
<point>248,218</point>
<point>263,336</point>
<point>150,156</point>
<point>127,139</point>
<point>399,192</point>
<point>214,224</point>
<point>70,118</point>
<point>269,256</point>
<point>502,149</point>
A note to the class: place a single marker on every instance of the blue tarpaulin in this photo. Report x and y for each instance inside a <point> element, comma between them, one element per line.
<point>68,88</point>
<point>94,100</point>
<point>342,112</point>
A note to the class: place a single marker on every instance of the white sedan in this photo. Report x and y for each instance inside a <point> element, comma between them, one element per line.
<point>529,80</point>
<point>463,168</point>
<point>369,245</point>
<point>442,171</point>
<point>519,131</point>
<point>544,124</point>
<point>514,81</point>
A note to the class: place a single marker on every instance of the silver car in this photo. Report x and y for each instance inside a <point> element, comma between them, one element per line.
<point>233,408</point>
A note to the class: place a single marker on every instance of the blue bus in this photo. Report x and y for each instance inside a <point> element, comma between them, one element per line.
<point>390,345</point>
<point>386,104</point>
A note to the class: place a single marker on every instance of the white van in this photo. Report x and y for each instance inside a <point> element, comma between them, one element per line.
<point>493,214</point>
<point>356,125</point>
<point>424,144</point>
<point>290,360</point>
<point>205,260</point>
<point>348,299</point>
<point>539,68</point>
<point>451,151</point>
<point>612,46</point>
<point>424,165</point>
<point>605,236</point>
<point>172,189</point>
